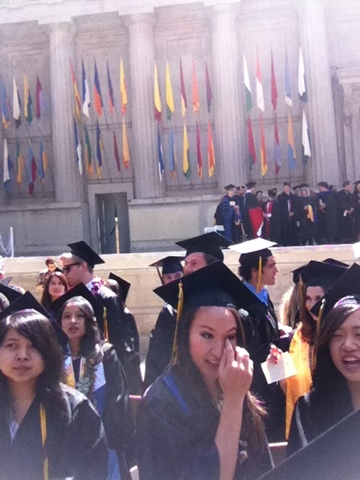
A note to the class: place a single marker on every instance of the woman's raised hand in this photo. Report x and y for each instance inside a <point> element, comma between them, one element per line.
<point>235,371</point>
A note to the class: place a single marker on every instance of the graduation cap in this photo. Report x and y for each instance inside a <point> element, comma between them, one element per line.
<point>296,273</point>
<point>321,274</point>
<point>214,285</point>
<point>230,187</point>
<point>9,293</point>
<point>124,286</point>
<point>272,192</point>
<point>170,264</point>
<point>82,250</point>
<point>347,284</point>
<point>208,243</point>
<point>332,455</point>
<point>28,301</point>
<point>78,291</point>
<point>332,261</point>
<point>296,187</point>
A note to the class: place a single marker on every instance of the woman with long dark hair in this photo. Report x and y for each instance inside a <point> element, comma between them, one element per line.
<point>199,420</point>
<point>47,431</point>
<point>55,286</point>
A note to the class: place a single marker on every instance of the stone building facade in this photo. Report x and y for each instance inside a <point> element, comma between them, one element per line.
<point>137,209</point>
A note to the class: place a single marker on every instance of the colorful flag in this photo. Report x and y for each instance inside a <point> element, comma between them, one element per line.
<point>88,154</point>
<point>263,159</point>
<point>99,148</point>
<point>259,89</point>
<point>78,149</point>
<point>208,88</point>
<point>31,170</point>
<point>182,91</point>
<point>7,167</point>
<point>172,156</point>
<point>20,163</point>
<point>198,151</point>
<point>39,98</point>
<point>251,143</point>
<point>291,146</point>
<point>160,153</point>
<point>116,152</point>
<point>186,156</point>
<point>248,97</point>
<point>111,91</point>
<point>126,150</point>
<point>97,92</point>
<point>27,101</point>
<point>43,162</point>
<point>274,92</point>
<point>302,81</point>
<point>288,99</point>
<point>277,150</point>
<point>211,152</point>
<point>170,108</point>
<point>76,92</point>
<point>85,91</point>
<point>123,89</point>
<point>5,107</point>
<point>195,90</point>
<point>157,101</point>
<point>306,145</point>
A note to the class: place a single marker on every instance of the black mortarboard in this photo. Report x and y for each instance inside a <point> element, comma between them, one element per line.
<point>214,285</point>
<point>28,301</point>
<point>250,184</point>
<point>332,455</point>
<point>208,243</point>
<point>124,286</point>
<point>321,274</point>
<point>347,284</point>
<point>272,192</point>
<point>229,187</point>
<point>9,293</point>
<point>82,250</point>
<point>304,185</point>
<point>78,291</point>
<point>332,261</point>
<point>296,187</point>
<point>170,264</point>
<point>297,273</point>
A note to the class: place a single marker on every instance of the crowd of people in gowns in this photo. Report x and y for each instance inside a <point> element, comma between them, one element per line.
<point>298,215</point>
<point>70,368</point>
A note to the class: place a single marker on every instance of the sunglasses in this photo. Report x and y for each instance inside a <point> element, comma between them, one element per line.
<point>67,268</point>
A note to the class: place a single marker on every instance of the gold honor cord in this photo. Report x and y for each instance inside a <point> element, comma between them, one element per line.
<point>318,325</point>
<point>178,316</point>
<point>259,274</point>
<point>106,327</point>
<point>43,441</point>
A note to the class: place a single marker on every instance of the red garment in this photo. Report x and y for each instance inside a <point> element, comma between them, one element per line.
<point>256,219</point>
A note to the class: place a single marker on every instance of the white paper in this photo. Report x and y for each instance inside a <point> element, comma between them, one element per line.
<point>284,368</point>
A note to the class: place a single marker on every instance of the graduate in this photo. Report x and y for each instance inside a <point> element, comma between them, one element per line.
<point>47,430</point>
<point>199,420</point>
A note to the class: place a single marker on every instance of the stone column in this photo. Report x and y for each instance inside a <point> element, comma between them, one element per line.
<point>228,126</point>
<point>142,60</point>
<point>67,183</point>
<point>324,162</point>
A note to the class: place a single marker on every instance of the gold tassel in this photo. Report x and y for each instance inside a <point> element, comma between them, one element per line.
<point>259,274</point>
<point>318,325</point>
<point>178,316</point>
<point>43,441</point>
<point>106,328</point>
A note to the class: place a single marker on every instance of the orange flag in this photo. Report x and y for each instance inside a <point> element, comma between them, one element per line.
<point>195,90</point>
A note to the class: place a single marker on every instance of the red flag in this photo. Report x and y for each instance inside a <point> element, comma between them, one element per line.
<point>208,88</point>
<point>126,150</point>
<point>97,92</point>
<point>116,153</point>
<point>198,151</point>
<point>38,97</point>
<point>183,91</point>
<point>263,159</point>
<point>195,90</point>
<point>274,92</point>
<point>76,92</point>
<point>211,154</point>
<point>251,144</point>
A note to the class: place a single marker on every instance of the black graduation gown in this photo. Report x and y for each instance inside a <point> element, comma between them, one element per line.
<point>288,224</point>
<point>328,217</point>
<point>76,443</point>
<point>160,345</point>
<point>123,334</point>
<point>306,226</point>
<point>346,200</point>
<point>176,438</point>
<point>261,330</point>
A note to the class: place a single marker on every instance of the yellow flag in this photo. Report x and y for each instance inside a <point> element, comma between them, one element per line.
<point>126,151</point>
<point>123,89</point>
<point>157,101</point>
<point>169,94</point>
<point>186,160</point>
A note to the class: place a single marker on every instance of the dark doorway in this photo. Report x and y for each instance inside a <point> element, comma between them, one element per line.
<point>113,223</point>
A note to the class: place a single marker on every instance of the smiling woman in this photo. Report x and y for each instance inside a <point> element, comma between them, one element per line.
<point>199,420</point>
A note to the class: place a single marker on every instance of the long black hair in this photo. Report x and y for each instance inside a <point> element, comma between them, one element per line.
<point>38,330</point>
<point>192,384</point>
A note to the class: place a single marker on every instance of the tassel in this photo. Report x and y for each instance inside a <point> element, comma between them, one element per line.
<point>106,327</point>
<point>318,325</point>
<point>178,316</point>
<point>259,274</point>
<point>43,441</point>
